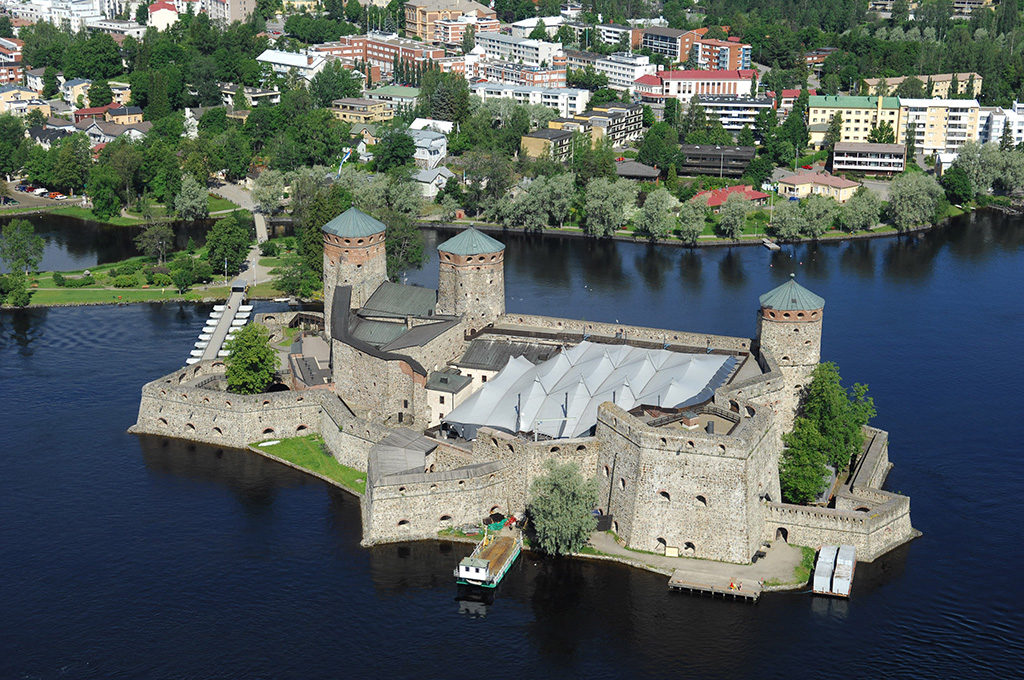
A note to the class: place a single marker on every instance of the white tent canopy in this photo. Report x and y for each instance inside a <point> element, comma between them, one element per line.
<point>560,397</point>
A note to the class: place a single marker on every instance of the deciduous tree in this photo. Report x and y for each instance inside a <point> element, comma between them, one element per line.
<point>156,241</point>
<point>191,202</point>
<point>732,217</point>
<point>227,244</point>
<point>21,250</point>
<point>657,217</point>
<point>560,508</point>
<point>252,361</point>
<point>913,198</point>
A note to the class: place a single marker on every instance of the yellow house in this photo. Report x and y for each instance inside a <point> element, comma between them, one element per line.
<point>361,110</point>
<point>125,115</point>
<point>121,93</point>
<point>803,184</point>
<point>13,93</point>
<point>859,115</point>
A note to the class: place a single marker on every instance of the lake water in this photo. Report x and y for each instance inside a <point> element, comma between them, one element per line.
<point>129,557</point>
<point>72,244</point>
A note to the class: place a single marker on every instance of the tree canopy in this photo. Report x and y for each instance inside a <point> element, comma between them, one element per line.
<point>252,361</point>
<point>561,501</point>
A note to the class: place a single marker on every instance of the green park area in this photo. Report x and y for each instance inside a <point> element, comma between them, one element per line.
<point>308,452</point>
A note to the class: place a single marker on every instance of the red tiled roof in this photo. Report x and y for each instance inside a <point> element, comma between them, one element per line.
<point>93,110</point>
<point>717,74</point>
<point>717,197</point>
<point>648,79</point>
<point>791,94</point>
<point>162,4</point>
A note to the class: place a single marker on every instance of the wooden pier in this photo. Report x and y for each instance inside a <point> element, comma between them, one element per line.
<point>705,584</point>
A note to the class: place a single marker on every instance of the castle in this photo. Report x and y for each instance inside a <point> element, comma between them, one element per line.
<point>452,407</point>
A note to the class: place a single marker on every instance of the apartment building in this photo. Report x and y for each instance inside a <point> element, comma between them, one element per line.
<point>422,15</point>
<point>993,121</point>
<point>871,159</point>
<point>356,110</point>
<point>399,98</point>
<point>282,63</point>
<point>548,143</point>
<point>254,96</point>
<point>722,54</point>
<point>576,59</point>
<point>787,100</point>
<point>509,73</point>
<point>715,160</point>
<point>501,47</point>
<point>73,90</point>
<point>524,27</point>
<point>734,112</point>
<point>121,93</point>
<point>618,123</point>
<point>623,69</point>
<point>452,31</point>
<point>937,124</point>
<point>667,41</point>
<point>686,85</point>
<point>380,50</point>
<point>567,101</point>
<point>941,84</point>
<point>614,34</point>
<point>11,67</point>
<point>859,115</point>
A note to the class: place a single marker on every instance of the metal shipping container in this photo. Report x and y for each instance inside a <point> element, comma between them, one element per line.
<point>823,569</point>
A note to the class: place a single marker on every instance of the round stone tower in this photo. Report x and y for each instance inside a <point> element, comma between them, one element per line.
<point>353,256</point>
<point>471,280</point>
<point>789,327</point>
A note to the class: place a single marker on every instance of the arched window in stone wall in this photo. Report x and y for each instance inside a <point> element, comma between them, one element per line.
<point>689,549</point>
<point>217,431</point>
<point>190,427</point>
<point>665,496</point>
<point>403,524</point>
<point>622,482</point>
<point>703,501</point>
<point>662,545</point>
<point>607,470</point>
<point>301,428</point>
<point>162,422</point>
<point>268,430</point>
<point>782,534</point>
<point>446,519</point>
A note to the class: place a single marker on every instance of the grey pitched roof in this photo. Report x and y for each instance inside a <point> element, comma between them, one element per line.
<point>493,354</point>
<point>448,381</point>
<point>417,336</point>
<point>376,333</point>
<point>400,301</point>
<point>354,223</point>
<point>401,451</point>
<point>471,242</point>
<point>791,296</point>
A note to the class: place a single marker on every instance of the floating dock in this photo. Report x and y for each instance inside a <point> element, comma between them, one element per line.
<point>833,570</point>
<point>220,327</point>
<point>748,591</point>
<point>490,560</point>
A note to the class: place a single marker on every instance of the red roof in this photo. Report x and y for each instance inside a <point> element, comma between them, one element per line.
<point>93,110</point>
<point>648,79</point>
<point>162,4</point>
<point>716,74</point>
<point>717,197</point>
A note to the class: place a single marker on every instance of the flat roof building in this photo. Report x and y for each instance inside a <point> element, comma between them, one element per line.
<point>715,160</point>
<point>874,159</point>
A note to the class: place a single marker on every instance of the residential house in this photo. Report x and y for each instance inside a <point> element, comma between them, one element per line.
<point>305,65</point>
<point>804,184</point>
<point>124,115</point>
<point>162,15</point>
<point>75,92</point>
<point>445,127</point>
<point>431,148</point>
<point>11,68</point>
<point>432,181</point>
<point>634,170</point>
<point>254,96</point>
<point>614,34</point>
<point>93,112</point>
<point>735,112</point>
<point>501,47</point>
<point>44,136</point>
<point>548,143</point>
<point>121,93</point>
<point>716,198</point>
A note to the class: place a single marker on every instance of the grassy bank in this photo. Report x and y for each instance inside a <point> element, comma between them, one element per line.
<point>81,213</point>
<point>308,452</point>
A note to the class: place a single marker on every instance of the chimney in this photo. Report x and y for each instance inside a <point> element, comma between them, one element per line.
<point>309,60</point>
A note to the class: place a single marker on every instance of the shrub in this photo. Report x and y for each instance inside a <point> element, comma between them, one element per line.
<point>269,249</point>
<point>79,282</point>
<point>58,279</point>
<point>124,281</point>
<point>162,280</point>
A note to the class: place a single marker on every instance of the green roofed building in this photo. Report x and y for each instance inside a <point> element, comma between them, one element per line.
<point>471,242</point>
<point>859,115</point>
<point>354,223</point>
<point>401,98</point>
<point>791,296</point>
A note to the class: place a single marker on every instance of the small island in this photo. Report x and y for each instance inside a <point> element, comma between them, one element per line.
<point>438,408</point>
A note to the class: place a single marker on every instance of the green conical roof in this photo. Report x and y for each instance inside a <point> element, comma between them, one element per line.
<point>791,296</point>
<point>354,223</point>
<point>471,242</point>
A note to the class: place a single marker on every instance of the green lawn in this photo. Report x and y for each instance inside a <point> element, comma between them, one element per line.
<point>85,214</point>
<point>308,452</point>
<point>216,203</point>
<point>273,261</point>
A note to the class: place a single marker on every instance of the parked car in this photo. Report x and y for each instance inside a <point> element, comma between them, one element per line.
<point>56,195</point>
<point>40,192</point>
<point>22,187</point>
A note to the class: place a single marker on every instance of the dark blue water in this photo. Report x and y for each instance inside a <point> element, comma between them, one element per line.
<point>128,557</point>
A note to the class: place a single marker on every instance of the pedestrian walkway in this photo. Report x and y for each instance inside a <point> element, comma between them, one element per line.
<point>223,326</point>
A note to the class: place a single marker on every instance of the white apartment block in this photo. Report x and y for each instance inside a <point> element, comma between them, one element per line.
<point>282,63</point>
<point>735,112</point>
<point>523,29</point>
<point>566,100</point>
<point>685,85</point>
<point>451,31</point>
<point>994,120</point>
<point>519,50</point>
<point>623,69</point>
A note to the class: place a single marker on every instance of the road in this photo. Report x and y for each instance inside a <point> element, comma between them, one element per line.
<point>242,198</point>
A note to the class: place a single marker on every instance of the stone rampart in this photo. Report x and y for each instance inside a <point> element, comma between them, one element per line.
<point>681,339</point>
<point>411,506</point>
<point>175,405</point>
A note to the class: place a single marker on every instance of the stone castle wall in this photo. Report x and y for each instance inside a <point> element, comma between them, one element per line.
<point>417,506</point>
<point>179,405</point>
